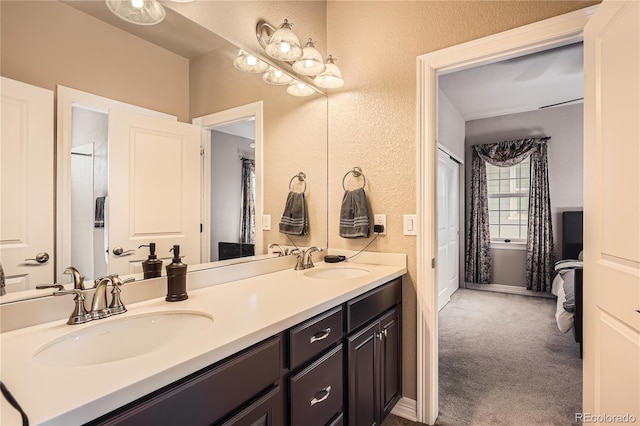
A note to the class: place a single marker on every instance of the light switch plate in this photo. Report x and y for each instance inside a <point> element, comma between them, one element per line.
<point>266,222</point>
<point>410,224</point>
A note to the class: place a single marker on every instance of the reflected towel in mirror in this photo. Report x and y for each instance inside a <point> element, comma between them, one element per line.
<point>99,213</point>
<point>354,214</point>
<point>294,220</point>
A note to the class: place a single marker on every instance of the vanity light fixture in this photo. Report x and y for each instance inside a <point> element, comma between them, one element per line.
<point>311,62</point>
<point>283,44</point>
<point>139,12</point>
<point>249,63</point>
<point>276,77</point>
<point>331,78</point>
<point>297,88</point>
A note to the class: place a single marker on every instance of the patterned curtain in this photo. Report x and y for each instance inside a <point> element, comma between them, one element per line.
<point>540,236</point>
<point>478,254</point>
<point>247,223</point>
<point>540,258</point>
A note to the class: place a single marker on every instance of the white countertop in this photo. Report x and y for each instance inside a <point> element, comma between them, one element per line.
<point>244,312</point>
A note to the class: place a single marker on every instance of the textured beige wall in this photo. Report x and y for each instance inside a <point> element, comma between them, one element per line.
<point>45,43</point>
<point>372,119</point>
<point>294,140</point>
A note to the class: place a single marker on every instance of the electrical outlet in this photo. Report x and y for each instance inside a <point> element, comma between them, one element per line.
<point>381,219</point>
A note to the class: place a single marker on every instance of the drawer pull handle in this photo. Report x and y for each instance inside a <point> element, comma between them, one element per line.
<point>326,391</point>
<point>320,335</point>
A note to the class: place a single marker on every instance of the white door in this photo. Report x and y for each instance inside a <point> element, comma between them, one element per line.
<point>612,212</point>
<point>154,189</point>
<point>448,227</point>
<point>26,185</point>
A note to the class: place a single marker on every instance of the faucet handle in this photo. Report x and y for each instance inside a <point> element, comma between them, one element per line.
<point>299,261</point>
<point>281,250</point>
<point>309,252</point>
<point>79,314</point>
<point>116,306</point>
<point>45,286</point>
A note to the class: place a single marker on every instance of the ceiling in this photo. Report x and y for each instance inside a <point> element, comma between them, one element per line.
<point>515,85</point>
<point>176,33</point>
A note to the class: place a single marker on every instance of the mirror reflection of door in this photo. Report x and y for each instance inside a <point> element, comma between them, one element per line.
<point>89,191</point>
<point>233,190</point>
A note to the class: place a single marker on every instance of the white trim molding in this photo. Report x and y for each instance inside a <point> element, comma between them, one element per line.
<point>207,122</point>
<point>557,31</point>
<point>405,408</point>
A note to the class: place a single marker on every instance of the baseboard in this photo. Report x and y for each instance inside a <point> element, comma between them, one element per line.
<point>406,408</point>
<point>511,289</point>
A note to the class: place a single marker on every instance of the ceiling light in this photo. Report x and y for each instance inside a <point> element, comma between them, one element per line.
<point>311,61</point>
<point>331,78</point>
<point>249,63</point>
<point>139,12</point>
<point>277,77</point>
<point>297,88</point>
<point>284,44</point>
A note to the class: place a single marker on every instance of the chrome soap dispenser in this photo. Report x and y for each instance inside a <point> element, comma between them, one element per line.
<point>176,278</point>
<point>152,267</point>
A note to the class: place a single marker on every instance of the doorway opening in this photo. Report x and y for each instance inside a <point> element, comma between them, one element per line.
<point>554,32</point>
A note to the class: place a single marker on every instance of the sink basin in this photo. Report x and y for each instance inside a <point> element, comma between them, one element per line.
<point>336,273</point>
<point>121,338</point>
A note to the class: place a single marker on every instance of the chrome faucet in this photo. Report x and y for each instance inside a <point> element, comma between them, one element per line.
<point>307,262</point>
<point>99,308</point>
<point>78,280</point>
<point>281,250</point>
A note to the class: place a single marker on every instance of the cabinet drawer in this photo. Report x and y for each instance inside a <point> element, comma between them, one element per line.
<point>373,303</point>
<point>205,397</point>
<point>316,391</point>
<point>312,337</point>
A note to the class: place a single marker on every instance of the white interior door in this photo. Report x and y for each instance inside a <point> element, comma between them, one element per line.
<point>448,228</point>
<point>154,189</point>
<point>26,184</point>
<point>612,212</point>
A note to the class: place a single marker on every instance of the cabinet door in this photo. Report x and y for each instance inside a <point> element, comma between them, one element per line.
<point>266,411</point>
<point>363,377</point>
<point>390,360</point>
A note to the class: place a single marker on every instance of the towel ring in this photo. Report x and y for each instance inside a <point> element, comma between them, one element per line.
<point>302,178</point>
<point>356,172</point>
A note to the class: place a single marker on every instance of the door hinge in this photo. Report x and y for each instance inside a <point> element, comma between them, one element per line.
<point>433,263</point>
<point>201,150</point>
<point>201,228</point>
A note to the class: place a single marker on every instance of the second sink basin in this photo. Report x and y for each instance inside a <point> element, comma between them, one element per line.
<point>121,338</point>
<point>336,273</point>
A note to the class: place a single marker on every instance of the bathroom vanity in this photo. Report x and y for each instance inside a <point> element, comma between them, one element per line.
<point>287,347</point>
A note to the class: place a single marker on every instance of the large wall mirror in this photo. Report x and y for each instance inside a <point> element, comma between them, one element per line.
<point>184,71</point>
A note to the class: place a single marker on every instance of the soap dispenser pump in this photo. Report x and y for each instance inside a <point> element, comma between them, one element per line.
<point>176,278</point>
<point>152,267</point>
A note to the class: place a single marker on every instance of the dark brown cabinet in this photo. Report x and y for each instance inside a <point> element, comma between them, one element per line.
<point>374,358</point>
<point>339,367</point>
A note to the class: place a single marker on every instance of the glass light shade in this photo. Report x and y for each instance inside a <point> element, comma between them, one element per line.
<point>284,44</point>
<point>139,12</point>
<point>311,61</point>
<point>276,77</point>
<point>248,63</point>
<point>331,78</point>
<point>297,88</point>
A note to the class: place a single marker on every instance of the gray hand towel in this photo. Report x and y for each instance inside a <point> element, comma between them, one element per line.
<point>99,212</point>
<point>294,220</point>
<point>354,215</point>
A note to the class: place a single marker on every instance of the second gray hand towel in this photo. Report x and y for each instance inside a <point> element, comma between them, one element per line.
<point>294,220</point>
<point>354,215</point>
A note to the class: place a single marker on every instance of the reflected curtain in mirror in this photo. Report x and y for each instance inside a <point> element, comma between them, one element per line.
<point>247,224</point>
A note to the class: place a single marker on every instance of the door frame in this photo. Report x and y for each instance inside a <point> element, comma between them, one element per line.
<point>207,122</point>
<point>67,98</point>
<point>539,36</point>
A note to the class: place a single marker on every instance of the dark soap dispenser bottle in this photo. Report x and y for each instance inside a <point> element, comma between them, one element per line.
<point>152,267</point>
<point>176,278</point>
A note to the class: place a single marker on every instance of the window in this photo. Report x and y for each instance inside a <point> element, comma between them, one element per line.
<point>508,192</point>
